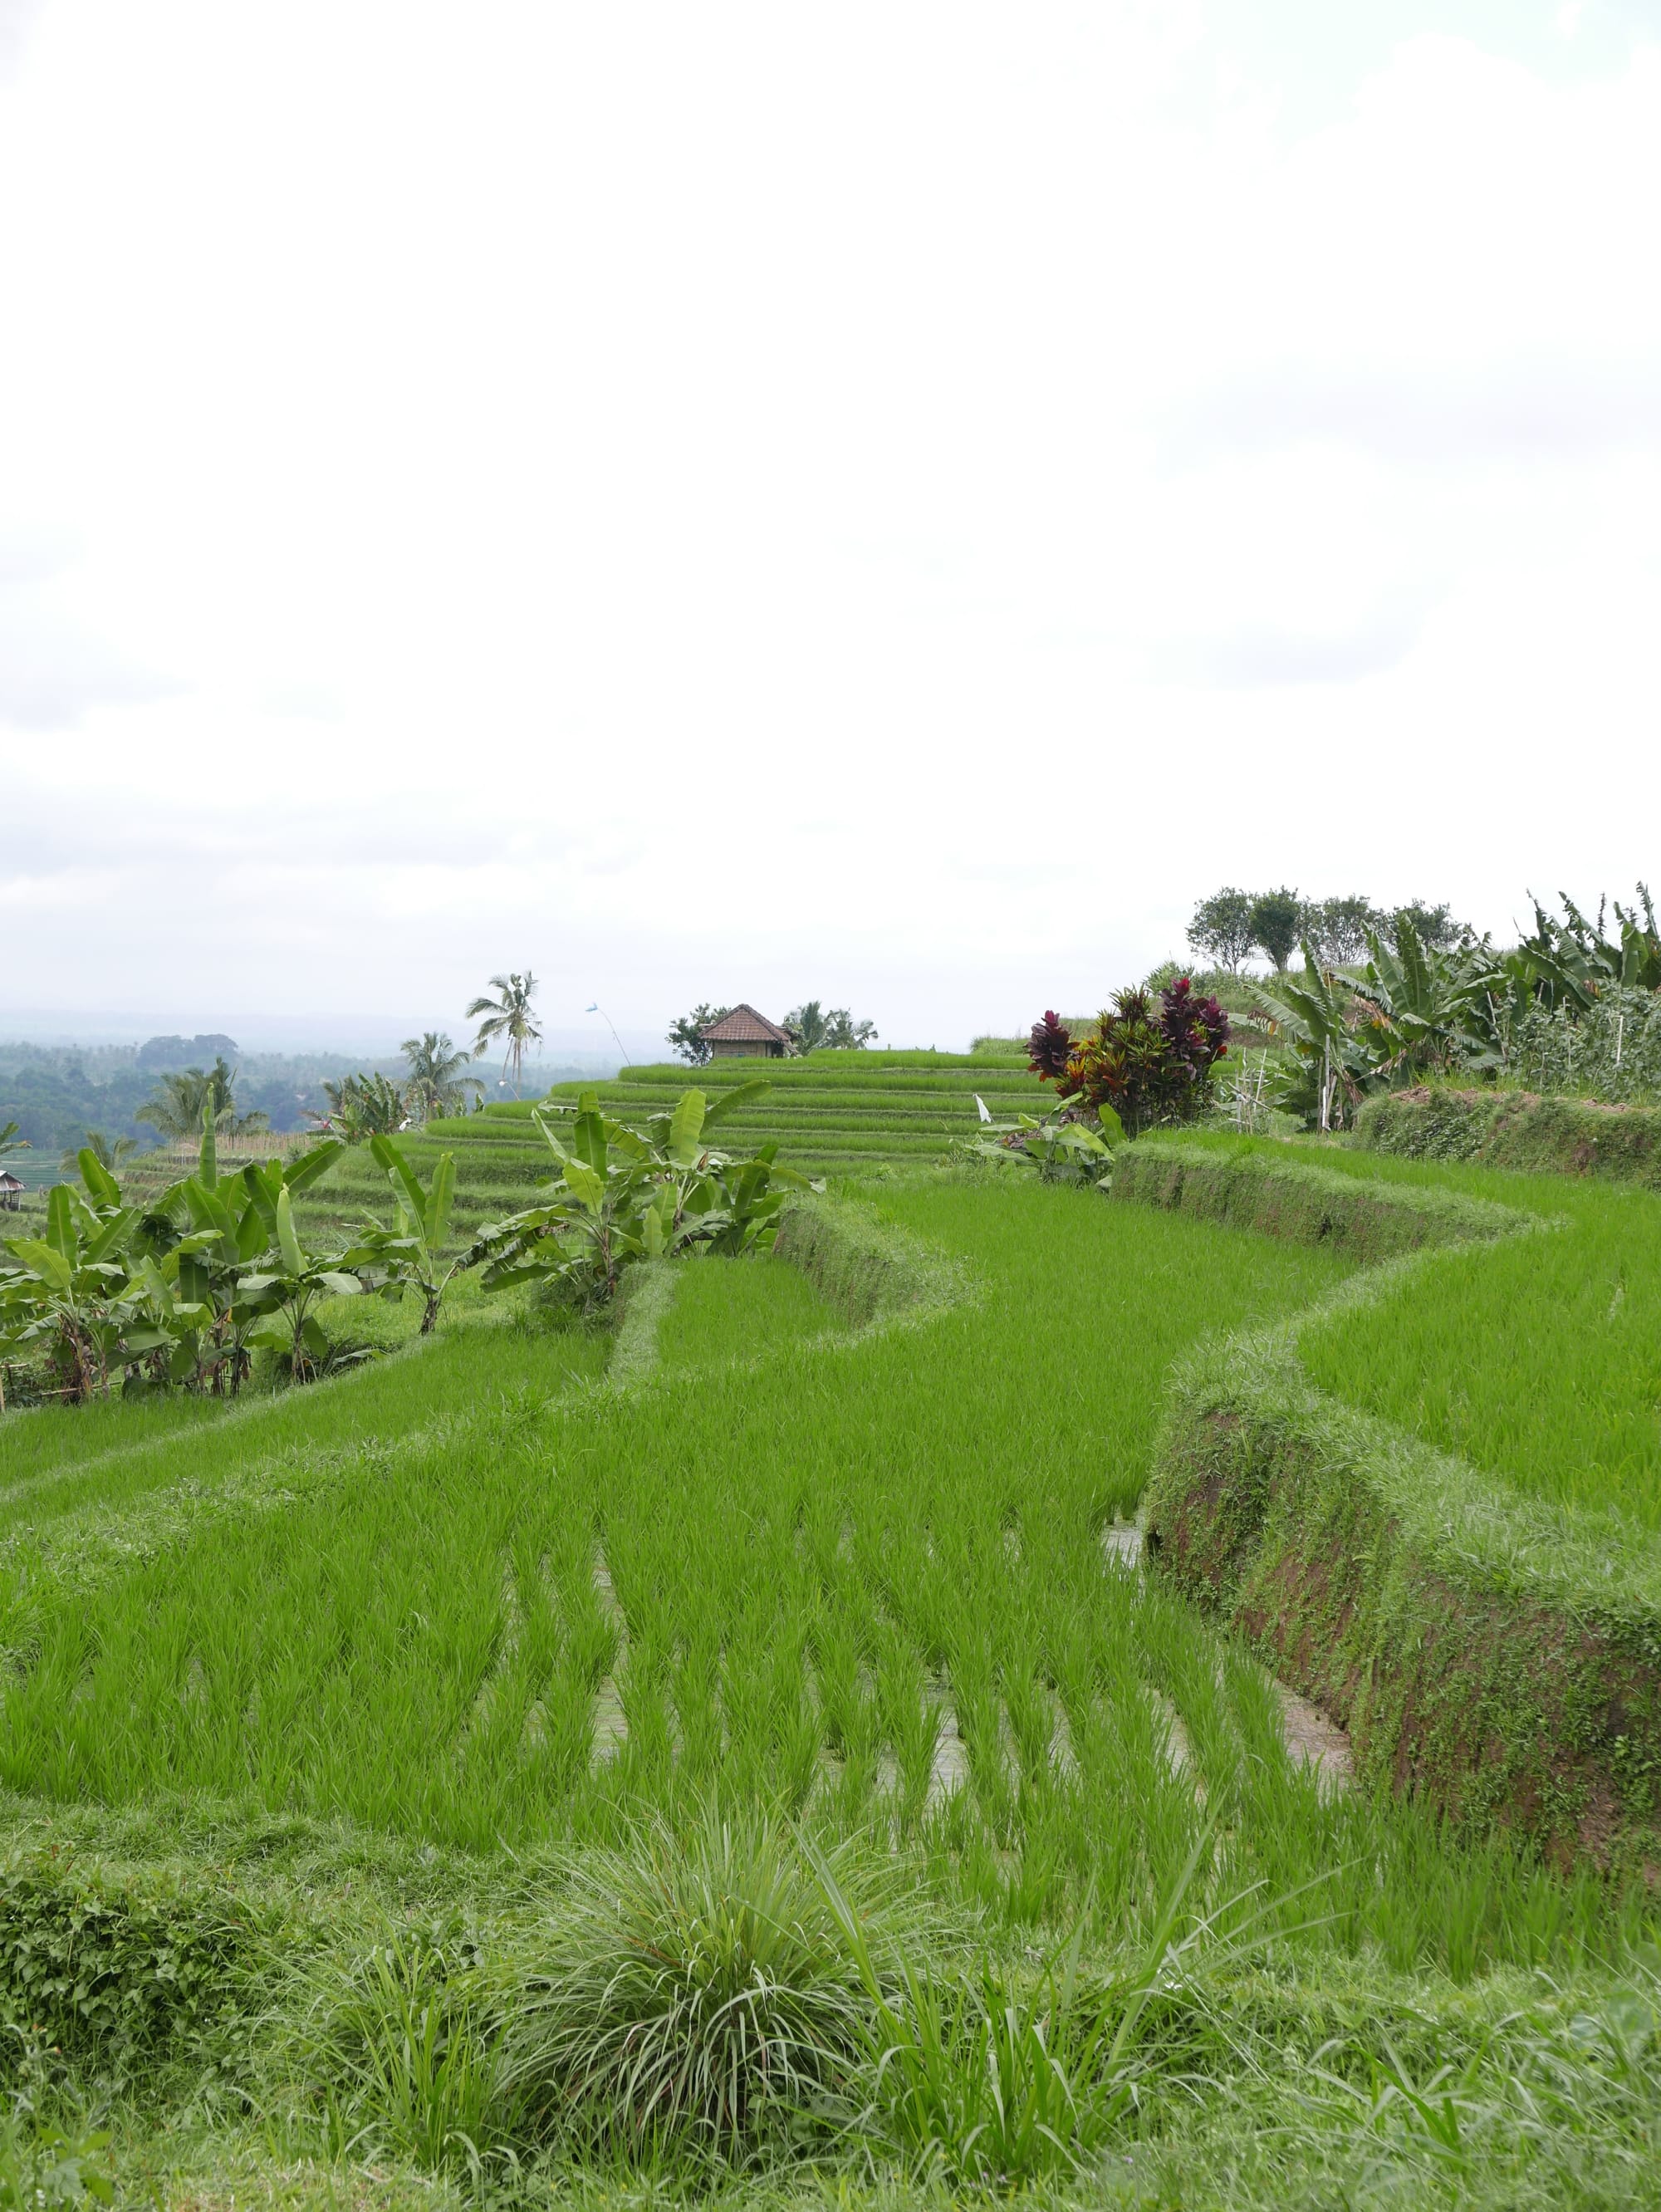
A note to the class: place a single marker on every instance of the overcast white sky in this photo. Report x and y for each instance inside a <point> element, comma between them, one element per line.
<point>891,502</point>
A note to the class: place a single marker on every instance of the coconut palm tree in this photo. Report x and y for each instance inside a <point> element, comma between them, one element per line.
<point>10,1142</point>
<point>436,1084</point>
<point>176,1108</point>
<point>508,1016</point>
<point>108,1155</point>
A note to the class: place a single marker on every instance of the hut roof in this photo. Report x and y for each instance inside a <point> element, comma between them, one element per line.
<point>9,1181</point>
<point>743,1025</point>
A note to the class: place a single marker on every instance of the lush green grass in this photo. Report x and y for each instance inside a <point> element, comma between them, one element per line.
<point>90,1463</point>
<point>284,1683</point>
<point>814,1559</point>
<point>966,1488</point>
<point>741,1310</point>
<point>1538,1360</point>
<point>36,1440</point>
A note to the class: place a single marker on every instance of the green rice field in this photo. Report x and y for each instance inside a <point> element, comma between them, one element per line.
<point>375,1698</point>
<point>843,1113</point>
<point>1538,1360</point>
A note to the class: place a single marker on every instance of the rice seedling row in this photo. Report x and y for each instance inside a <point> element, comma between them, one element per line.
<point>864,1582</point>
<point>1459,1355</point>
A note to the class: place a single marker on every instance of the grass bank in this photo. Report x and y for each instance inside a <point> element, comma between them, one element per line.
<point>369,1759</point>
<point>1488,1643</point>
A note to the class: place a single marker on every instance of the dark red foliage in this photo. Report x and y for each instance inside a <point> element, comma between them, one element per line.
<point>1150,1066</point>
<point>1195,1029</point>
<point>1051,1047</point>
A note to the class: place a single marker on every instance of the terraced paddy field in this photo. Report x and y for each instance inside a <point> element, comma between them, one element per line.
<point>843,1113</point>
<point>1535,1357</point>
<point>1428,1503</point>
<point>360,1744</point>
<point>835,1113</point>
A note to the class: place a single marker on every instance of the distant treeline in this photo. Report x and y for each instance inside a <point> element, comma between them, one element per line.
<point>56,1094</point>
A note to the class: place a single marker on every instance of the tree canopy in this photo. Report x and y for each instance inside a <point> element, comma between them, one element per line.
<point>508,1018</point>
<point>174,1110</point>
<point>437,1084</point>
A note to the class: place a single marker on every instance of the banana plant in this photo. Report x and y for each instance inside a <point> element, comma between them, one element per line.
<point>210,1265</point>
<point>420,1226</point>
<point>1574,964</point>
<point>73,1286</point>
<point>619,1194</point>
<point>285,1284</point>
<point>1330,1069</point>
<point>1061,1150</point>
<point>1422,1008</point>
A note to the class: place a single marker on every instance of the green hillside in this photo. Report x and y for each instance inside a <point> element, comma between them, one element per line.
<point>839,1113</point>
<point>834,1114</point>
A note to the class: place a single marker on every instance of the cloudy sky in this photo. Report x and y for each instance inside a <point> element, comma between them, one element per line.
<point>891,502</point>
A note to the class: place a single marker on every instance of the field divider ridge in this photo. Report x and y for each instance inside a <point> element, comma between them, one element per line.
<point>1497,1655</point>
<point>876,1275</point>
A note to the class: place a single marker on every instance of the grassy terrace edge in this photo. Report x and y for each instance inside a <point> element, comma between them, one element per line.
<point>1495,1653</point>
<point>1516,1129</point>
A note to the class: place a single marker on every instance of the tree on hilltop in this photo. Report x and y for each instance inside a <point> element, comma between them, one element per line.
<point>807,1025</point>
<point>1276,922</point>
<point>1222,927</point>
<point>361,1107</point>
<point>814,1030</point>
<point>843,1034</point>
<point>1435,926</point>
<point>507,1016</point>
<point>1337,928</point>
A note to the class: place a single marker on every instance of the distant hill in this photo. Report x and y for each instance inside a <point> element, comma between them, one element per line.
<point>160,1054</point>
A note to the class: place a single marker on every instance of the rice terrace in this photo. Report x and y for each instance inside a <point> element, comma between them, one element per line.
<point>833,1624</point>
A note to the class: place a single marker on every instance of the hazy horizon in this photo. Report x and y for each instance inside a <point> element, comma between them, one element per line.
<point>893,505</point>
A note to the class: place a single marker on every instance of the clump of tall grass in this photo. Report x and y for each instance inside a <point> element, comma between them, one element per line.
<point>983,2077</point>
<point>402,2045</point>
<point>698,1990</point>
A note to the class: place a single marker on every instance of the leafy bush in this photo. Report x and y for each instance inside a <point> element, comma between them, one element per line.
<point>42,2165</point>
<point>1050,1047</point>
<point>404,2043</point>
<point>1061,1146</point>
<point>1147,1065</point>
<point>119,1977</point>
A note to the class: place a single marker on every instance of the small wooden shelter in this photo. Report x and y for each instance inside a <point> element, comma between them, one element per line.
<point>745,1035</point>
<point>10,1191</point>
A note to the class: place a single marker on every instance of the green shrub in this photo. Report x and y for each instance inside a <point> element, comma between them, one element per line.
<point>400,2045</point>
<point>43,2164</point>
<point>121,1975</point>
